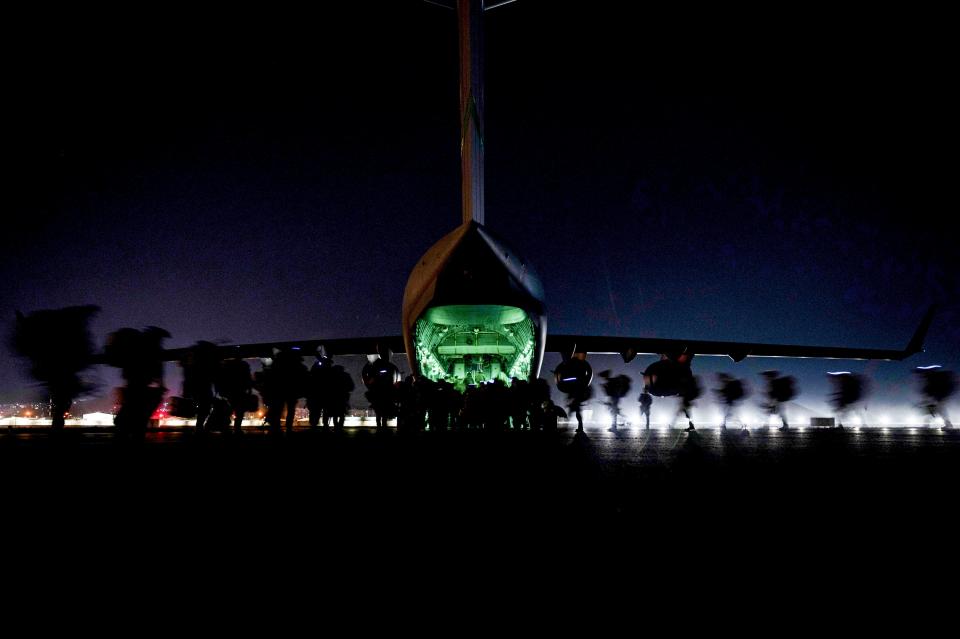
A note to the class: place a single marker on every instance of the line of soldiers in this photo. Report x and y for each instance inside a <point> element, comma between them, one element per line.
<point>59,347</point>
<point>418,402</point>
<point>213,390</point>
<point>218,389</point>
<point>438,405</point>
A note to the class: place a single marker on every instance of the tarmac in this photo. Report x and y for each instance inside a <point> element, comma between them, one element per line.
<point>762,483</point>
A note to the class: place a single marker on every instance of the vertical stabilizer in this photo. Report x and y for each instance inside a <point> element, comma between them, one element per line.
<point>470,18</point>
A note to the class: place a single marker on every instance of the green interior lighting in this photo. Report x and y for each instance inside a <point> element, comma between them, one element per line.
<point>476,343</point>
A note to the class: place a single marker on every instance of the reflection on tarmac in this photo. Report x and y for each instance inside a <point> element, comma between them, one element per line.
<point>820,481</point>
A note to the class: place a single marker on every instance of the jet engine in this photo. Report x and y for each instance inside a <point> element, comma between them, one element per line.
<point>668,377</point>
<point>573,375</point>
<point>380,373</point>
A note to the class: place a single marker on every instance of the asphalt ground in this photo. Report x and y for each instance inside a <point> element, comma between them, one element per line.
<point>789,523</point>
<point>761,484</point>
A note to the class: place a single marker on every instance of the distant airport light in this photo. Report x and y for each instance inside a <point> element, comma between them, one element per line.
<point>838,373</point>
<point>928,368</point>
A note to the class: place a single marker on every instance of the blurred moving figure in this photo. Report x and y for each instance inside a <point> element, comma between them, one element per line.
<point>201,365</point>
<point>574,376</point>
<point>139,356</point>
<point>616,388</point>
<point>690,391</point>
<point>780,390</point>
<point>575,402</point>
<point>731,392</point>
<point>59,346</point>
<point>646,401</point>
<point>849,390</point>
<point>937,386</point>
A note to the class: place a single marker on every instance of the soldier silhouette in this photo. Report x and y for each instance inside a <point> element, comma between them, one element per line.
<point>538,393</point>
<point>235,384</point>
<point>731,392</point>
<point>440,405</point>
<point>338,399</point>
<point>519,403</point>
<point>780,390</point>
<point>937,386</point>
<point>406,405</point>
<point>318,386</point>
<point>291,381</point>
<point>381,376</point>
<point>646,400</point>
<point>849,390</point>
<point>690,391</point>
<point>496,405</point>
<point>574,376</point>
<point>575,402</point>
<point>266,383</point>
<point>616,387</point>
<point>59,347</point>
<point>200,365</point>
<point>139,356</point>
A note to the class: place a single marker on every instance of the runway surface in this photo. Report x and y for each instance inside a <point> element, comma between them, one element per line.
<point>763,483</point>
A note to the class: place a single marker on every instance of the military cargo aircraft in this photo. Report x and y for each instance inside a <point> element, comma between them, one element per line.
<point>474,310</point>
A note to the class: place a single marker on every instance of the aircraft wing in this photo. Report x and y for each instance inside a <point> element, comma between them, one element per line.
<point>629,347</point>
<point>340,346</point>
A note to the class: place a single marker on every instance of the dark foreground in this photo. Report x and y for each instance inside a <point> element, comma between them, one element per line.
<point>736,487</point>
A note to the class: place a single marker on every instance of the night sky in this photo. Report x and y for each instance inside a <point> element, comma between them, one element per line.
<point>245,177</point>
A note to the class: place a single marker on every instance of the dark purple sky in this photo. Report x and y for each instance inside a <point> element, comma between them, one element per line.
<point>244,177</point>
